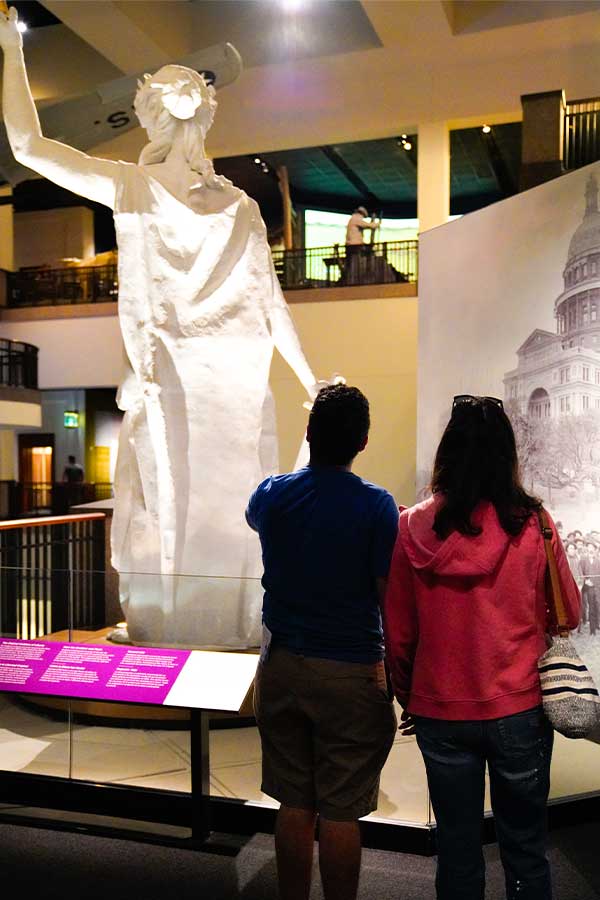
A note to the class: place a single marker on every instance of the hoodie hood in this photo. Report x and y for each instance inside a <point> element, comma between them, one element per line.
<point>460,555</point>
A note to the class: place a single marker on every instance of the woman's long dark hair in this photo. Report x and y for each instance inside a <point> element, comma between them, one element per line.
<point>477,460</point>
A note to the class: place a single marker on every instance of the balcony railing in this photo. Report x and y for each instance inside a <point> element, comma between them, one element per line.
<point>18,364</point>
<point>315,267</point>
<point>322,267</point>
<point>581,133</point>
<point>52,574</point>
<point>47,287</point>
<point>39,498</point>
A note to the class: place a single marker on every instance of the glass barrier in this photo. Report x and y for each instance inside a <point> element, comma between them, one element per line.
<point>147,744</point>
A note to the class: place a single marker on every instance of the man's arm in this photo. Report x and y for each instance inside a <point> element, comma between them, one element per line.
<point>369,223</point>
<point>381,583</point>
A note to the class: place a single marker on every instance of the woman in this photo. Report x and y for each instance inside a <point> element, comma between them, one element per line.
<point>466,621</point>
<point>200,310</point>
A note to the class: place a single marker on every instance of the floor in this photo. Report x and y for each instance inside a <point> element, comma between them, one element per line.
<point>52,865</point>
<point>32,742</point>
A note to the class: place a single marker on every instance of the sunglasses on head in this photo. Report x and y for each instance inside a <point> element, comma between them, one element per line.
<point>459,399</point>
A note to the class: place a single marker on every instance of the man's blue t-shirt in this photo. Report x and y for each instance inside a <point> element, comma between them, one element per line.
<point>326,536</point>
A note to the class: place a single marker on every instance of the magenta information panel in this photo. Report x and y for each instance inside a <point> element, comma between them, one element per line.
<point>90,671</point>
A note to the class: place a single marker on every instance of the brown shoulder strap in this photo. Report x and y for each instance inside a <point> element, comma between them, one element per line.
<point>555,588</point>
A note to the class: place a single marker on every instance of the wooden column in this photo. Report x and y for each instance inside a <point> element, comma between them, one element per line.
<point>284,187</point>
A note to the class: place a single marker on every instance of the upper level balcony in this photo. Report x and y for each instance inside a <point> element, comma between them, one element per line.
<point>20,401</point>
<point>314,268</point>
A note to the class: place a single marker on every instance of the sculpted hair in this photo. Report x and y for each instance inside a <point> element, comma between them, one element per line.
<point>477,460</point>
<point>161,124</point>
<point>338,425</point>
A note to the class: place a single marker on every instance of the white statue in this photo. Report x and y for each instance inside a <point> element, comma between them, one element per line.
<point>200,309</point>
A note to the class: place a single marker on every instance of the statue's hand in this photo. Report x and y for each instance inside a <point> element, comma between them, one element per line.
<point>10,36</point>
<point>314,389</point>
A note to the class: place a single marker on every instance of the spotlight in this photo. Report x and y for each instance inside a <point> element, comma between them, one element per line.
<point>22,26</point>
<point>407,145</point>
<point>265,167</point>
<point>486,129</point>
<point>257,160</point>
<point>403,136</point>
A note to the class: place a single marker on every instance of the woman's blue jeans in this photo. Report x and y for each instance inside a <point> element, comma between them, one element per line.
<point>518,751</point>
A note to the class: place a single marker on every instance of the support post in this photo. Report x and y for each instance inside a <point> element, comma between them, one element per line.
<point>200,774</point>
<point>543,138</point>
<point>433,175</point>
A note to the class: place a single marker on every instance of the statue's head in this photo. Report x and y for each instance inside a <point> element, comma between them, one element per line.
<point>177,99</point>
<point>174,95</point>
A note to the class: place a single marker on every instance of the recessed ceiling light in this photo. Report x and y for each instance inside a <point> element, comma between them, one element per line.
<point>407,145</point>
<point>486,129</point>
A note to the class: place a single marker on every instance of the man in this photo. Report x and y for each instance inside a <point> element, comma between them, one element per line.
<point>590,569</point>
<point>322,702</point>
<point>73,472</point>
<point>357,224</point>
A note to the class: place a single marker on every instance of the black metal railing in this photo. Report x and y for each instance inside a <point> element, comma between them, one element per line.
<point>381,263</point>
<point>46,287</point>
<point>581,133</point>
<point>52,575</point>
<point>18,498</point>
<point>339,265</point>
<point>18,364</point>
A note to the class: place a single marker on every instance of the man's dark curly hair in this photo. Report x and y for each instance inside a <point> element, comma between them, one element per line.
<point>338,425</point>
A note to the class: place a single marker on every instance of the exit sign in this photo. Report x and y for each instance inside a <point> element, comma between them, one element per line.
<point>71,418</point>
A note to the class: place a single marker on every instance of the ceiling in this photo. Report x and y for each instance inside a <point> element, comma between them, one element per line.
<point>340,78</point>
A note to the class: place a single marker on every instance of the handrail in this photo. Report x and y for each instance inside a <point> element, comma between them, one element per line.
<point>18,364</point>
<point>380,263</point>
<point>581,141</point>
<point>6,524</point>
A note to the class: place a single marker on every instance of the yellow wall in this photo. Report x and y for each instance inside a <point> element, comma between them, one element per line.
<point>24,414</point>
<point>373,343</point>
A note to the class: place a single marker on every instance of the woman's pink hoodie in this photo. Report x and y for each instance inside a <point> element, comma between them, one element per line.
<point>466,617</point>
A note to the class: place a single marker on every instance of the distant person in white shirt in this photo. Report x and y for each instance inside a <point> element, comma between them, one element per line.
<point>357,224</point>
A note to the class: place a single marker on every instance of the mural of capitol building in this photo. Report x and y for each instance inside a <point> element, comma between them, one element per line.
<point>559,373</point>
<point>553,396</point>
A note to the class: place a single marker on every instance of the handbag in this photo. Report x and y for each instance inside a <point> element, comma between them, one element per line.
<point>569,696</point>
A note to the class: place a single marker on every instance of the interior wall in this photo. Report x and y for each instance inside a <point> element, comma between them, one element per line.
<point>372,343</point>
<point>67,441</point>
<point>47,236</point>
<point>73,353</point>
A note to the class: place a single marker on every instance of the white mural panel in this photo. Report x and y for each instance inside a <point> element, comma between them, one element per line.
<point>510,307</point>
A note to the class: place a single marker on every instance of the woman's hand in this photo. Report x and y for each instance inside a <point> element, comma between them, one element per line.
<point>406,726</point>
<point>10,36</point>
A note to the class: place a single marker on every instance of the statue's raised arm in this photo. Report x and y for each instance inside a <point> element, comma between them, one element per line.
<point>85,175</point>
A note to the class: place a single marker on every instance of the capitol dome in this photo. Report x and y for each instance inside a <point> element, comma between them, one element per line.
<point>587,236</point>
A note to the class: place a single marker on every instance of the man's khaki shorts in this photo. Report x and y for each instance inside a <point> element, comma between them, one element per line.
<point>326,729</point>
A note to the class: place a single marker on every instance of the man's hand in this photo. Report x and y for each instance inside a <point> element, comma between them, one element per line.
<point>10,36</point>
<point>406,726</point>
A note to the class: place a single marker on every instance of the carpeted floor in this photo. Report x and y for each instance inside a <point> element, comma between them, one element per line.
<point>52,864</point>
